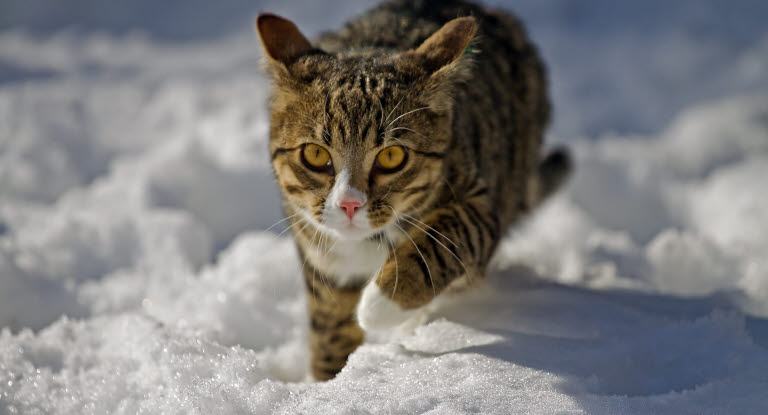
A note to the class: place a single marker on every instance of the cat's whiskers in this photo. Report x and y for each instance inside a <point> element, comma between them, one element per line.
<point>286,229</point>
<point>393,109</point>
<point>469,276</point>
<point>326,133</point>
<point>322,241</point>
<point>311,241</point>
<point>394,255</point>
<point>327,236</point>
<point>429,272</point>
<point>403,115</point>
<point>304,227</point>
<point>397,140</point>
<point>381,107</point>
<point>280,221</point>
<point>335,241</point>
<point>407,129</point>
<point>428,227</point>
<point>304,264</point>
<point>450,187</point>
<point>389,189</point>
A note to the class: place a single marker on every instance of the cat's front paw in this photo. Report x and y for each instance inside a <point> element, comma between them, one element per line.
<point>376,312</point>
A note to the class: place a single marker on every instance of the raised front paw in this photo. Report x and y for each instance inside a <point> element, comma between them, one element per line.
<point>376,312</point>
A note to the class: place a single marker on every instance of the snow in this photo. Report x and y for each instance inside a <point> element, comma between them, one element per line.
<point>139,272</point>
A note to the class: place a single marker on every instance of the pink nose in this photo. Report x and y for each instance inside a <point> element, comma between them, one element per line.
<point>350,207</point>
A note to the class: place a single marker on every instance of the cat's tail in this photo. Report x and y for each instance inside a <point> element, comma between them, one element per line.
<point>553,172</point>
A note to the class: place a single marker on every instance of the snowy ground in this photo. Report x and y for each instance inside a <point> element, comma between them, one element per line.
<point>136,273</point>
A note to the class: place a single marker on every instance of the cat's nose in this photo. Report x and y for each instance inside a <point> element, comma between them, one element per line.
<point>350,206</point>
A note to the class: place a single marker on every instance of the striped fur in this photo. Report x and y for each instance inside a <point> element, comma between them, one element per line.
<point>468,103</point>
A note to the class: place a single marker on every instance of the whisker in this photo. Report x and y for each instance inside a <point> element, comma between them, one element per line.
<point>303,264</point>
<point>450,187</point>
<point>326,133</point>
<point>393,109</point>
<point>280,221</point>
<point>322,279</point>
<point>384,135</point>
<point>445,247</point>
<point>304,227</point>
<point>429,227</point>
<point>286,229</point>
<point>335,241</point>
<point>320,241</point>
<point>306,256</point>
<point>389,189</point>
<point>381,122</point>
<point>407,129</point>
<point>403,115</point>
<point>429,272</point>
<point>394,254</point>
<point>324,240</point>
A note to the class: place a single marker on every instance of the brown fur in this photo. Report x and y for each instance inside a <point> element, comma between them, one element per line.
<point>469,103</point>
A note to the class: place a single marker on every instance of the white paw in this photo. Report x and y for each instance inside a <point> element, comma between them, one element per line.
<point>377,312</point>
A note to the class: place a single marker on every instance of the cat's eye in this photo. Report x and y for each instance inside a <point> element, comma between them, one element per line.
<point>315,157</point>
<point>391,159</point>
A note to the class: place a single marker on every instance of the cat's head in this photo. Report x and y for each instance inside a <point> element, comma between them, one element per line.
<point>359,138</point>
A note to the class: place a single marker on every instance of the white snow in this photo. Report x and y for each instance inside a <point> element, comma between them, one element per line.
<point>138,273</point>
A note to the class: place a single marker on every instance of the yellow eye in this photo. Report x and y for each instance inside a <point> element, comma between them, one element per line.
<point>391,158</point>
<point>315,157</point>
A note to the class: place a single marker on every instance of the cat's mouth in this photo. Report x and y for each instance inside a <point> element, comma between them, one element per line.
<point>343,229</point>
<point>351,231</point>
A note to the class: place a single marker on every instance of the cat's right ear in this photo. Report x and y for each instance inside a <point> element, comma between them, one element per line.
<point>282,40</point>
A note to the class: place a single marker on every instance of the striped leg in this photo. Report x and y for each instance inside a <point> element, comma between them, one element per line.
<point>452,241</point>
<point>334,332</point>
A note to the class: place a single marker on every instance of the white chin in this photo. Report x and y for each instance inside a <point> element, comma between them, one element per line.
<point>346,232</point>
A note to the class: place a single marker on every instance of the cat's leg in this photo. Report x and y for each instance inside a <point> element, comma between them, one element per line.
<point>454,240</point>
<point>334,332</point>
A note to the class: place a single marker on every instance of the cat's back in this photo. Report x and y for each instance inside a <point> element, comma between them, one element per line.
<point>400,25</point>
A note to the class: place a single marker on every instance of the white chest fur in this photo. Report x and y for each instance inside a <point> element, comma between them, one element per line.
<point>350,262</point>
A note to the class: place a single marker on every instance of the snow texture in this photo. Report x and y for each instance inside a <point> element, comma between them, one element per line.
<point>139,272</point>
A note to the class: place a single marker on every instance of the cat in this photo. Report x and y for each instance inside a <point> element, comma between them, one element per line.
<point>405,145</point>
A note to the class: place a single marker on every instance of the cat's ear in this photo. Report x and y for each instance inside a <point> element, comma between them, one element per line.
<point>448,44</point>
<point>442,56</point>
<point>282,40</point>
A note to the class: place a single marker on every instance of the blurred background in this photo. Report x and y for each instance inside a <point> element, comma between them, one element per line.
<point>614,60</point>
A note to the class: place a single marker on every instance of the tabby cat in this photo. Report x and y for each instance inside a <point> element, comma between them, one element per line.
<point>405,145</point>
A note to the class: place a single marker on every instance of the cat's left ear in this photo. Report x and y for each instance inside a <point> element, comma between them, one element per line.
<point>282,40</point>
<point>448,44</point>
<point>442,55</point>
